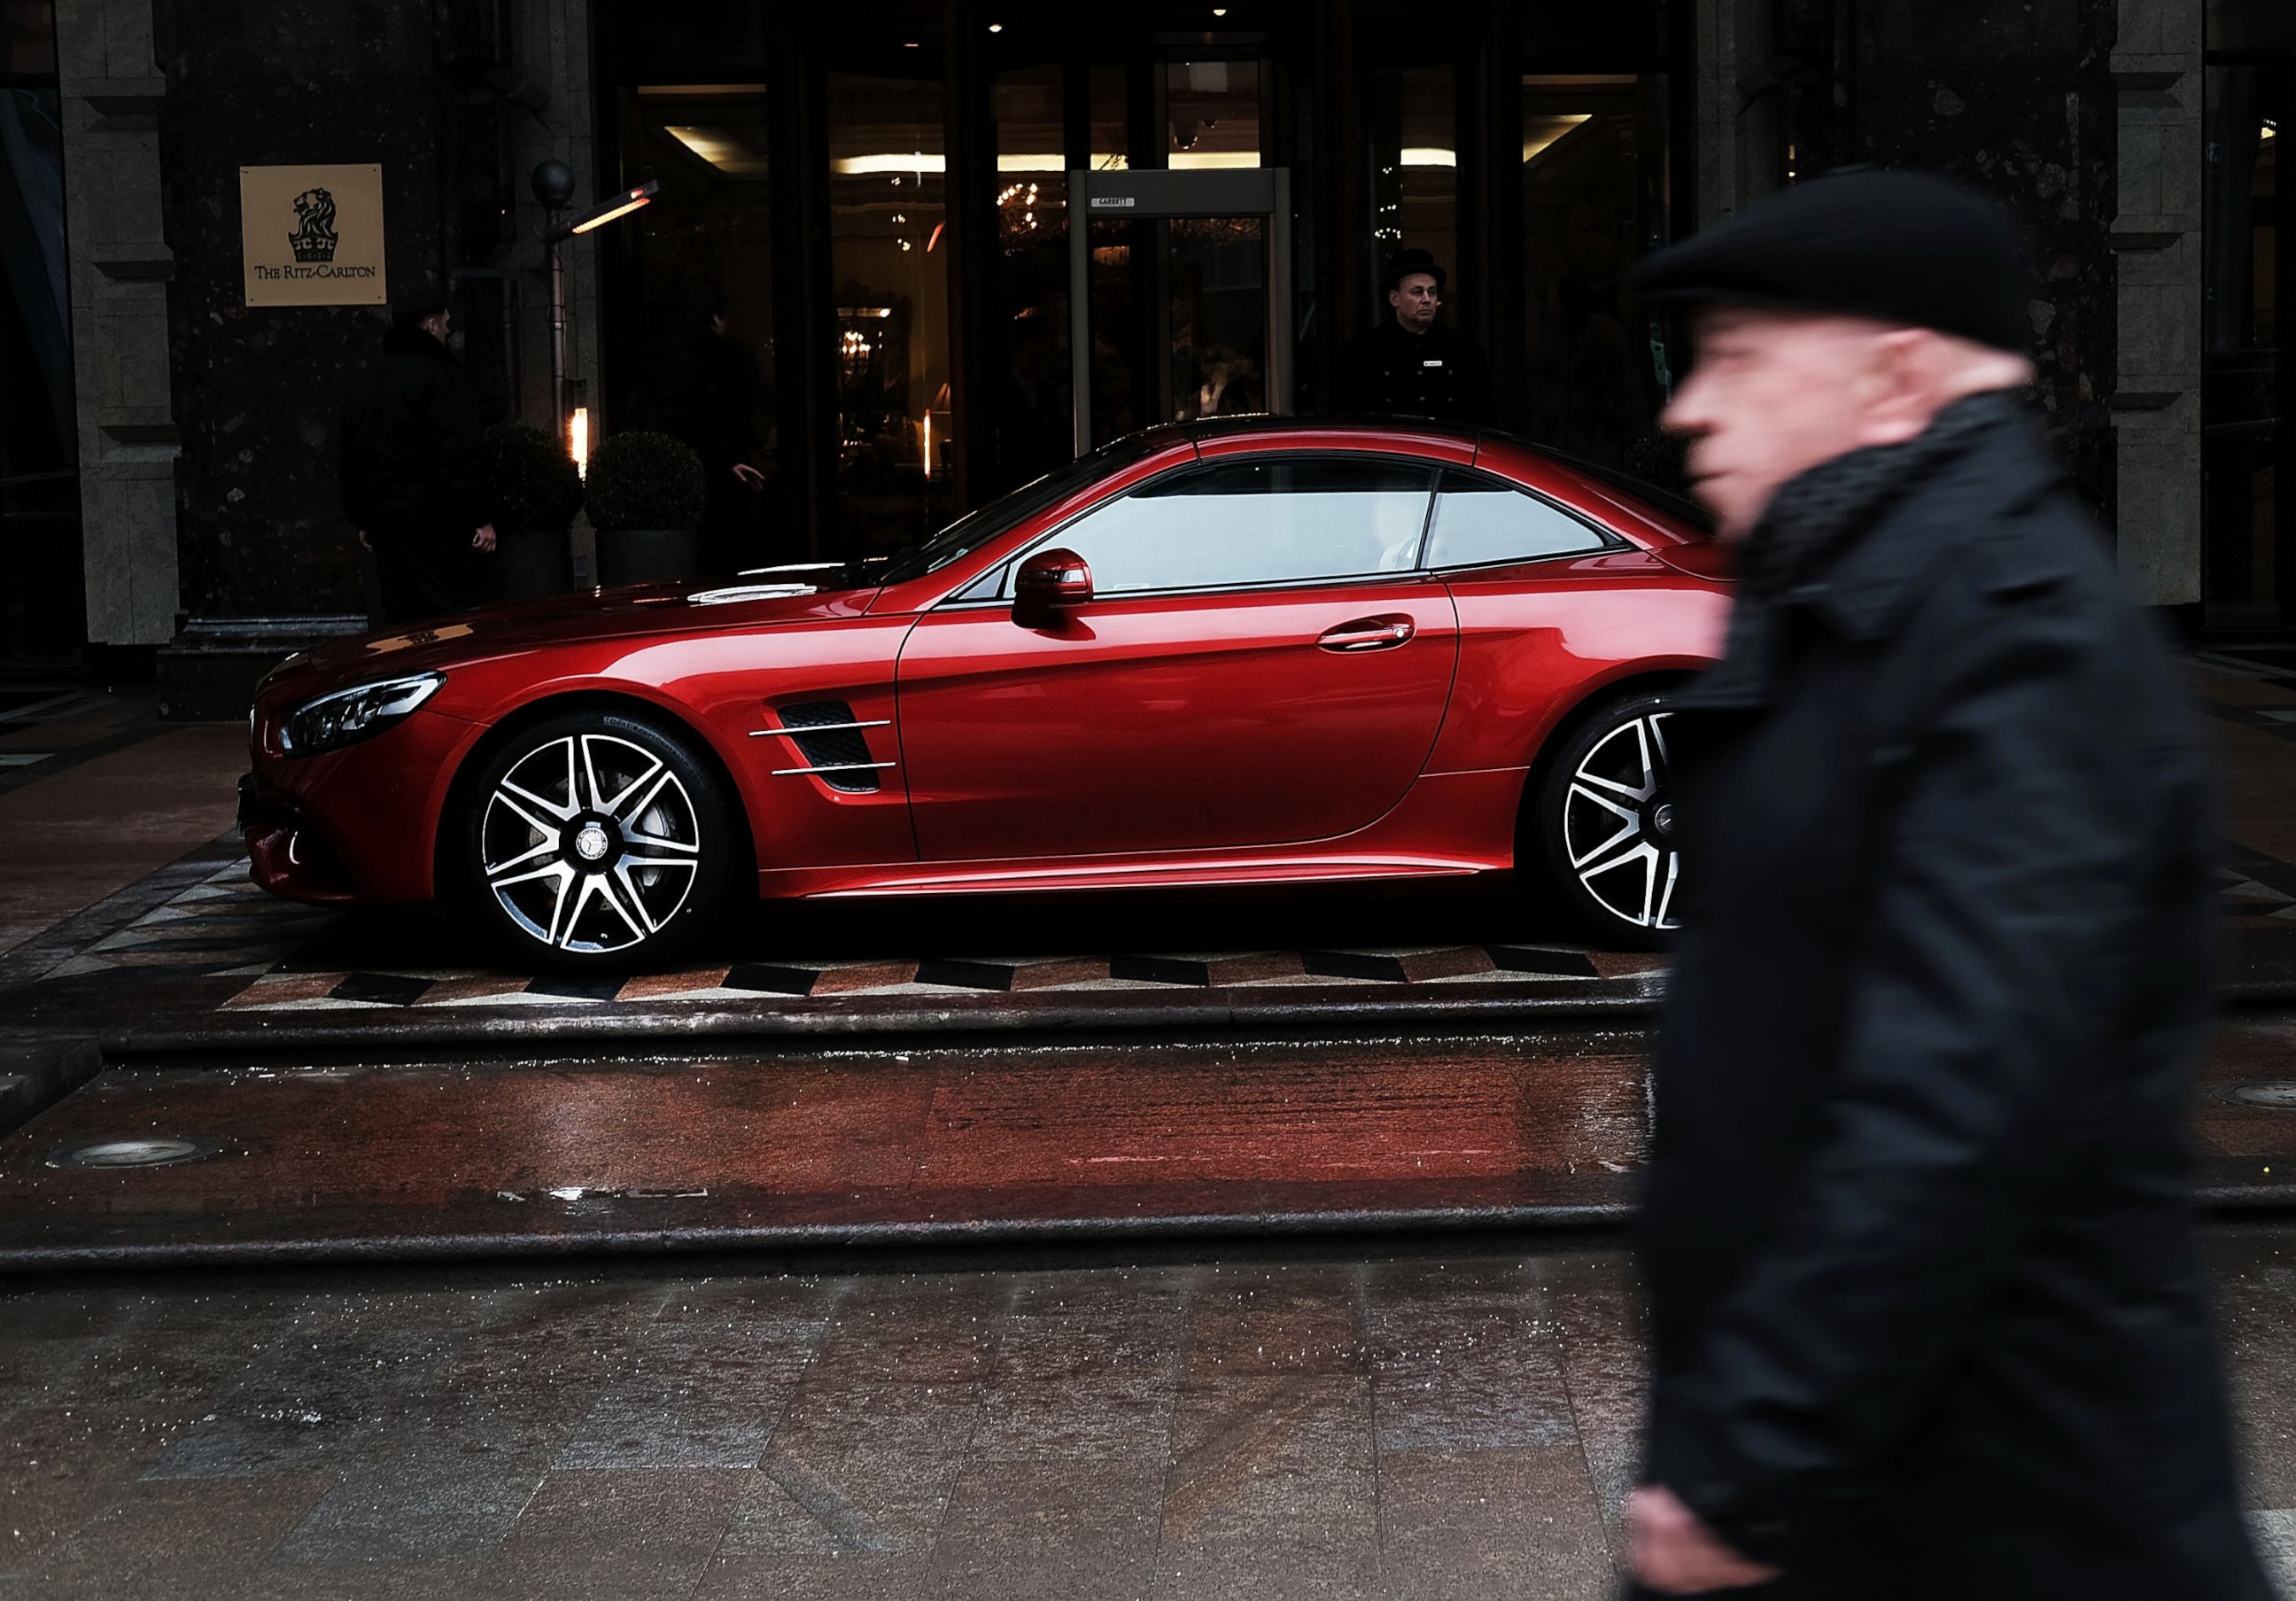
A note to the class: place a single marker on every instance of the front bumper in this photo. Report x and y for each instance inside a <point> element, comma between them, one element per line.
<point>287,855</point>
<point>356,827</point>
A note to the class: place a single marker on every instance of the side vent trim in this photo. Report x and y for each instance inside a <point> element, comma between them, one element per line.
<point>829,739</point>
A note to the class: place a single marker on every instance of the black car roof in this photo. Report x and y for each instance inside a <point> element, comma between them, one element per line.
<point>1222,427</point>
<point>1672,501</point>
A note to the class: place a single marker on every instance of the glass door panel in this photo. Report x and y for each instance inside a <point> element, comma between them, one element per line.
<point>1593,202</point>
<point>702,256</point>
<point>1211,114</point>
<point>2245,382</point>
<point>888,211</point>
<point>1032,400</point>
<point>1215,307</point>
<point>1185,284</point>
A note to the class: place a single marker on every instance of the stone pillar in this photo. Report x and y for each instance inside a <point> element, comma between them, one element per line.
<point>112,93</point>
<point>2017,100</point>
<point>2156,401</point>
<point>1737,142</point>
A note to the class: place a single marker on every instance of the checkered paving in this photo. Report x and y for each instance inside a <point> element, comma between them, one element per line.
<point>753,982</point>
<point>223,926</point>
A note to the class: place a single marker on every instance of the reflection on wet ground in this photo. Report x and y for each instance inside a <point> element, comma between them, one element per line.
<point>1045,1136</point>
<point>779,1147</point>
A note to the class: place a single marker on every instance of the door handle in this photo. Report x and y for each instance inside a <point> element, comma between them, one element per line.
<point>1368,634</point>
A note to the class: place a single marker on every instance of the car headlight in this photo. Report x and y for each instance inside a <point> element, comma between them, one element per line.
<point>349,715</point>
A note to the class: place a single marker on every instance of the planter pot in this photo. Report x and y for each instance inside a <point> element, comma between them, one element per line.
<point>648,555</point>
<point>533,565</point>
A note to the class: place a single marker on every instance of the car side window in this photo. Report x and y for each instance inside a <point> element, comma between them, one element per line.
<point>1258,520</point>
<point>1480,522</point>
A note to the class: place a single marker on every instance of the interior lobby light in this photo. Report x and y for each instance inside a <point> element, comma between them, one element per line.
<point>723,148</point>
<point>1541,132</point>
<point>1429,155</point>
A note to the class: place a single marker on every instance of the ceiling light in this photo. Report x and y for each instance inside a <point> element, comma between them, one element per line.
<point>996,28</point>
<point>1540,132</point>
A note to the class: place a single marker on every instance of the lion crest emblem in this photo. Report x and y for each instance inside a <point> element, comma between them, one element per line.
<point>314,238</point>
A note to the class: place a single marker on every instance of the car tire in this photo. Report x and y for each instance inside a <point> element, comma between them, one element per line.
<point>596,842</point>
<point>1602,823</point>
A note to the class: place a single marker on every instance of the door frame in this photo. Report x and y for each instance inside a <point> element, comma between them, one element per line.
<point>1153,194</point>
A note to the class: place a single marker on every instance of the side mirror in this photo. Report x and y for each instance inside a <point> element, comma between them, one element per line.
<point>1047,584</point>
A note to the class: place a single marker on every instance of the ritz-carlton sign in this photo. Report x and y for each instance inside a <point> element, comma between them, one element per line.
<point>312,236</point>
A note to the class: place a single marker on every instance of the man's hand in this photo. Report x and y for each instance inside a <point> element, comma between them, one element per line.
<point>745,474</point>
<point>364,543</point>
<point>484,539</point>
<point>1672,1552</point>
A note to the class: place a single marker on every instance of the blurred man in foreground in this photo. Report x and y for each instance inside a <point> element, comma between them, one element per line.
<point>1928,1319</point>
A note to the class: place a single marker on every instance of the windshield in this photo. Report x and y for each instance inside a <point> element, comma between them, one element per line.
<point>975,529</point>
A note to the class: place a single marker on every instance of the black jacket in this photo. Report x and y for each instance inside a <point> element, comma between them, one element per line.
<point>409,434</point>
<point>1387,372</point>
<point>1928,1319</point>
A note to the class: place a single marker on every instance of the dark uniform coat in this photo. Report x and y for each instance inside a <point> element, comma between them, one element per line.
<point>1928,1318</point>
<point>410,476</point>
<point>1391,372</point>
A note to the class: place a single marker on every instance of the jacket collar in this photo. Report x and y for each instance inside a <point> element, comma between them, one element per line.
<point>1872,583</point>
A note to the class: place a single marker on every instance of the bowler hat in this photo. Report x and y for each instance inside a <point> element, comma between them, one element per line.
<point>1403,263</point>
<point>1907,247</point>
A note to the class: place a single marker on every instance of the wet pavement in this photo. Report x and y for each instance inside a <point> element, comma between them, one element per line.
<point>1368,1421</point>
<point>1042,1141</point>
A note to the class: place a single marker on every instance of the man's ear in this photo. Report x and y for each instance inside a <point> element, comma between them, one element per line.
<point>1897,386</point>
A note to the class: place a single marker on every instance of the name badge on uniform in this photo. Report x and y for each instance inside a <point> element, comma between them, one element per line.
<point>1432,361</point>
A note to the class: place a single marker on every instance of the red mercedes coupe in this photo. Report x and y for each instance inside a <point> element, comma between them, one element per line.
<point>1253,652</point>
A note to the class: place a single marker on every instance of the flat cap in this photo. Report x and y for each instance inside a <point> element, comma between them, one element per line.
<point>1903,247</point>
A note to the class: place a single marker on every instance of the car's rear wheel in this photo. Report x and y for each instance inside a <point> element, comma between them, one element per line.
<point>1604,823</point>
<point>596,841</point>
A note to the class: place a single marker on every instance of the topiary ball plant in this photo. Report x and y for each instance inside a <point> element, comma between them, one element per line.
<point>535,486</point>
<point>645,480</point>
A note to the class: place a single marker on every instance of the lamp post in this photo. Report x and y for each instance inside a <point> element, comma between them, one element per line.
<point>554,185</point>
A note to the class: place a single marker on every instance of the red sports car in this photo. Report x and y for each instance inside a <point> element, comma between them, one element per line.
<point>1247,653</point>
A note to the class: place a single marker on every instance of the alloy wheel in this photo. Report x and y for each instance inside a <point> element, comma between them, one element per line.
<point>590,843</point>
<point>1619,824</point>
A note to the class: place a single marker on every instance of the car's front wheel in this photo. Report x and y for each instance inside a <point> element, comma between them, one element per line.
<point>1604,823</point>
<point>596,841</point>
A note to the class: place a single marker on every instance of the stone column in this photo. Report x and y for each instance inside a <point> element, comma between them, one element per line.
<point>1737,144</point>
<point>2156,400</point>
<point>112,91</point>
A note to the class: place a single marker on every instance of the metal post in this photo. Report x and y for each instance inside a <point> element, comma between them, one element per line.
<point>557,343</point>
<point>1080,306</point>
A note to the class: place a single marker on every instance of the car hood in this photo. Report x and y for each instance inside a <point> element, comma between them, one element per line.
<point>642,610</point>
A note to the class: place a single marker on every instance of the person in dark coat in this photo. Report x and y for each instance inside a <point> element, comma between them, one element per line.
<point>1411,365</point>
<point>1928,1316</point>
<point>702,387</point>
<point>408,466</point>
